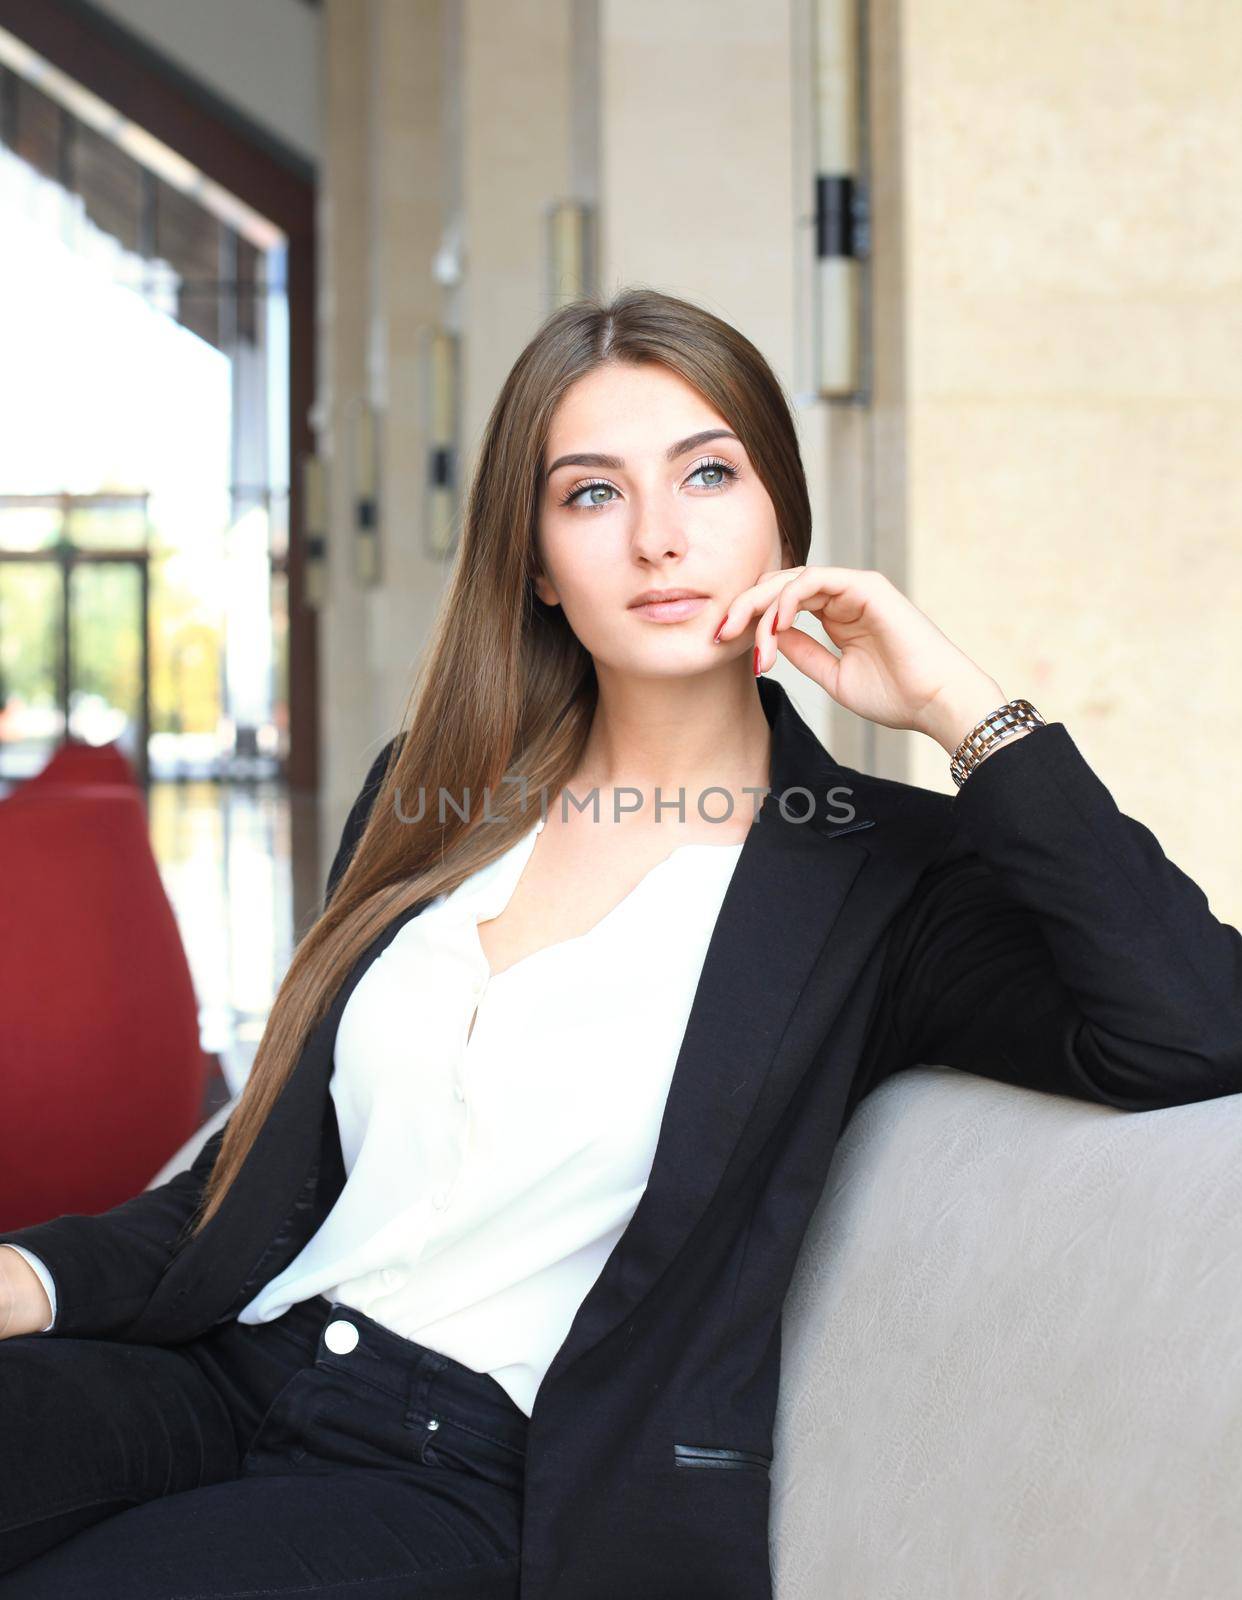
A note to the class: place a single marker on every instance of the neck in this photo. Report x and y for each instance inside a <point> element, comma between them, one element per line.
<point>680,735</point>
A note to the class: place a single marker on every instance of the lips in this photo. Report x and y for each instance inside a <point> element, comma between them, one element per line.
<point>676,610</point>
<point>666,596</point>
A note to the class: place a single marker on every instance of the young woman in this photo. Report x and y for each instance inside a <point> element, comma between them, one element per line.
<point>478,1292</point>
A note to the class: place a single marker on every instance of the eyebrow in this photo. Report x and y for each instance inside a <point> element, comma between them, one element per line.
<point>683,447</point>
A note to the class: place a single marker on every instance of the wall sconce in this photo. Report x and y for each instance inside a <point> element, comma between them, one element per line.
<point>314,532</point>
<point>842,212</point>
<point>440,357</point>
<point>365,440</point>
<point>570,251</point>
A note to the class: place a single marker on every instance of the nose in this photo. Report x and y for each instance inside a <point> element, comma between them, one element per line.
<point>658,534</point>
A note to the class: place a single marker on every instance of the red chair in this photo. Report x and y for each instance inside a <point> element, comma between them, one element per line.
<point>101,1072</point>
<point>75,761</point>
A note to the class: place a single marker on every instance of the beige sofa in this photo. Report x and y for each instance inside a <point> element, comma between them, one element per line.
<point>1012,1352</point>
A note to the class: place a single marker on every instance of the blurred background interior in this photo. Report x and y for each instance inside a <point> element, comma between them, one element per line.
<point>263,267</point>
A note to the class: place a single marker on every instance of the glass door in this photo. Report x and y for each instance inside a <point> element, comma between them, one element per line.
<point>32,707</point>
<point>74,629</point>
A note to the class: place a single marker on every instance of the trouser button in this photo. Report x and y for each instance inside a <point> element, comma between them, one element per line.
<point>340,1337</point>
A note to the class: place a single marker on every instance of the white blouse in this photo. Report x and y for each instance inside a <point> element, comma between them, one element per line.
<point>489,1177</point>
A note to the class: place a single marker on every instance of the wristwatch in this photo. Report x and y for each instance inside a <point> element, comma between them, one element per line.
<point>986,734</point>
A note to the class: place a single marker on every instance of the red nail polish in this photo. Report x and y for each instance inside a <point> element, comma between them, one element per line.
<point>716,635</point>
<point>757,659</point>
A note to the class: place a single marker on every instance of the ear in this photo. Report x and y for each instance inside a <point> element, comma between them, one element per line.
<point>545,591</point>
<point>539,580</point>
<point>543,585</point>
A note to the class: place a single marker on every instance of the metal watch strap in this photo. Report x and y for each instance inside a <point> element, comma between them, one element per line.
<point>988,733</point>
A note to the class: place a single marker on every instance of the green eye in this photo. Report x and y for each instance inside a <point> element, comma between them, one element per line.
<point>712,464</point>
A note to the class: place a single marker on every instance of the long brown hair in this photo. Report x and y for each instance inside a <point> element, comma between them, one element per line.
<point>504,687</point>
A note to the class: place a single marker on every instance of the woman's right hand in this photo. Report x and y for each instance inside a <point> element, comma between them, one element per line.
<point>24,1305</point>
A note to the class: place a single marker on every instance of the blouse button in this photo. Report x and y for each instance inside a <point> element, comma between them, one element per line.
<point>439,1199</point>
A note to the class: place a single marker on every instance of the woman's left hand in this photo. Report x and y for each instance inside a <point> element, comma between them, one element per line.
<point>895,667</point>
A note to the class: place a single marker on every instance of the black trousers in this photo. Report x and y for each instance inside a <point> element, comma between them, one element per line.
<point>317,1455</point>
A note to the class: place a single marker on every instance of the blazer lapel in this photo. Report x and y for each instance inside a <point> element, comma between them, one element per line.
<point>787,890</point>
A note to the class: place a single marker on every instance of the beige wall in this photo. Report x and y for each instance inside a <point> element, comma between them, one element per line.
<point>1074,329</point>
<point>516,93</point>
<point>1046,464</point>
<point>381,220</point>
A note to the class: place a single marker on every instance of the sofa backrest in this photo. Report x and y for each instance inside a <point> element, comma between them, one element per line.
<point>1012,1352</point>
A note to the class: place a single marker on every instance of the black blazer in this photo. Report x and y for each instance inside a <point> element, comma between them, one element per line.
<point>1022,928</point>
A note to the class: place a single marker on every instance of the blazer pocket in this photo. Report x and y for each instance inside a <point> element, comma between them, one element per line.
<point>704,1455</point>
<point>846,827</point>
